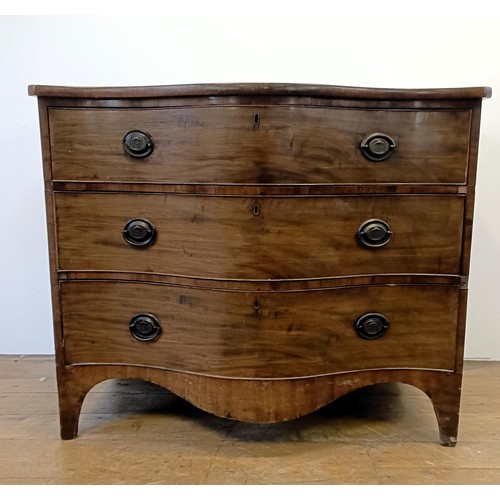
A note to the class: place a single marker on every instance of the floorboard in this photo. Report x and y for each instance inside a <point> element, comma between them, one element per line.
<point>133,432</point>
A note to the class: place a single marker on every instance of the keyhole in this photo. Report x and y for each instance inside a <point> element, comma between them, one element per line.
<point>256,118</point>
<point>256,209</point>
<point>256,304</point>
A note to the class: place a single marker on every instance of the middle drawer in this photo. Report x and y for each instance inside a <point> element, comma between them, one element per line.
<point>259,238</point>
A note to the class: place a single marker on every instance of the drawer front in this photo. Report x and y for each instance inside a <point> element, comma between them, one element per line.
<point>260,144</point>
<point>267,238</point>
<point>273,334</point>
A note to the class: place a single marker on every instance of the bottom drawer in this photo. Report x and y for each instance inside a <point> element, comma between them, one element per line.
<point>260,334</point>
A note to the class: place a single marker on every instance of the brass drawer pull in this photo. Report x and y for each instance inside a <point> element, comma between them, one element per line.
<point>378,146</point>
<point>139,232</point>
<point>374,233</point>
<point>371,326</point>
<point>144,327</point>
<point>138,144</point>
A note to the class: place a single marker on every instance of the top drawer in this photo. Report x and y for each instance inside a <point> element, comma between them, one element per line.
<point>260,144</point>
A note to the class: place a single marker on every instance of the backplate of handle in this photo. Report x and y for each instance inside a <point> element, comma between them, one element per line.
<point>371,326</point>
<point>374,233</point>
<point>139,232</point>
<point>144,327</point>
<point>138,144</point>
<point>377,146</point>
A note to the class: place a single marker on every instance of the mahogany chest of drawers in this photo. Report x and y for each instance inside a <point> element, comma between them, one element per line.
<point>260,250</point>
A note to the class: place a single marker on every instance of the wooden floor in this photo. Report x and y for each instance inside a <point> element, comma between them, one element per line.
<point>132,432</point>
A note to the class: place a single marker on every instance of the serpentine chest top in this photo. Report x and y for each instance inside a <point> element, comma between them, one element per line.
<point>260,249</point>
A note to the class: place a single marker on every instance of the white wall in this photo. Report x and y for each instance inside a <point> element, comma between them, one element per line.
<point>417,50</point>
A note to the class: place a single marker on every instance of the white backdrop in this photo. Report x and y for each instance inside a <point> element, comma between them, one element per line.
<point>431,47</point>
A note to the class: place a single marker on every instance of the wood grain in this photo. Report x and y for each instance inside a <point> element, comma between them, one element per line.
<point>279,400</point>
<point>257,192</point>
<point>292,334</point>
<point>290,238</point>
<point>267,285</point>
<point>290,145</point>
<point>132,432</point>
<point>266,89</point>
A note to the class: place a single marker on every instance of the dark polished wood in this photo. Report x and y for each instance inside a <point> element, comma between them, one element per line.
<point>258,190</point>
<point>266,89</point>
<point>279,399</point>
<point>288,145</point>
<point>256,280</point>
<point>259,334</point>
<point>279,285</point>
<point>215,237</point>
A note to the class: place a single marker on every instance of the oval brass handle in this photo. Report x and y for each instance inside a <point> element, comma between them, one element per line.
<point>371,326</point>
<point>139,232</point>
<point>144,327</point>
<point>374,233</point>
<point>378,146</point>
<point>138,144</point>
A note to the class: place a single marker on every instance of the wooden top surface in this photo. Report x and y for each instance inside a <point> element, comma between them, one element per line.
<point>211,89</point>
